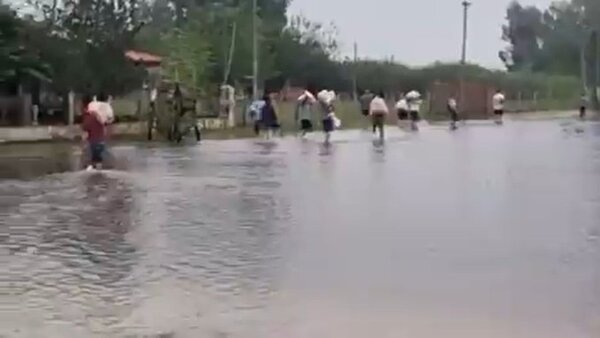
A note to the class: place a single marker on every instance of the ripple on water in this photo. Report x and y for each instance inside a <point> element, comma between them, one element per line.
<point>103,253</point>
<point>271,240</point>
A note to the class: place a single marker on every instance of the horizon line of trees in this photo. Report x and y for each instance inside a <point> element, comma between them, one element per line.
<point>79,45</point>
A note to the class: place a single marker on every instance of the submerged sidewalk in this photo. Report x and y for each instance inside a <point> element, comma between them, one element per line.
<point>71,132</point>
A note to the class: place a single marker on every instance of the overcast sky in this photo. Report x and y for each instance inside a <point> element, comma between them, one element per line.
<point>415,32</point>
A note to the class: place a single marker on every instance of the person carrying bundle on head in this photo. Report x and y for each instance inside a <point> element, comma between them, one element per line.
<point>498,105</point>
<point>330,120</point>
<point>96,118</point>
<point>304,112</point>
<point>413,99</point>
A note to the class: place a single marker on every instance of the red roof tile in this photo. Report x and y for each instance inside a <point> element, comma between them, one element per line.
<point>143,57</point>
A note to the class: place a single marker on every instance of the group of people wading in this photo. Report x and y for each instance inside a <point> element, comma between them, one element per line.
<point>373,106</point>
<point>265,119</point>
<point>408,108</point>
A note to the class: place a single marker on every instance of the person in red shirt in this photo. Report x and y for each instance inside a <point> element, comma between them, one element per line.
<point>95,136</point>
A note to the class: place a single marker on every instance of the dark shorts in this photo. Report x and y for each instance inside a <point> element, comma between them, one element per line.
<point>97,152</point>
<point>582,110</point>
<point>257,127</point>
<point>453,115</point>
<point>306,125</point>
<point>365,112</point>
<point>414,116</point>
<point>498,111</point>
<point>328,126</point>
<point>402,114</point>
<point>378,120</point>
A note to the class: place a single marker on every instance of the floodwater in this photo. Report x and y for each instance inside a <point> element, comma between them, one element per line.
<point>485,232</point>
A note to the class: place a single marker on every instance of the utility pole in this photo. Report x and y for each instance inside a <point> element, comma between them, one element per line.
<point>597,80</point>
<point>463,60</point>
<point>466,4</point>
<point>254,52</point>
<point>584,71</point>
<point>230,53</point>
<point>354,77</point>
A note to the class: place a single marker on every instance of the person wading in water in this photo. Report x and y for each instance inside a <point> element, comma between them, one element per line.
<point>402,110</point>
<point>414,101</point>
<point>583,105</point>
<point>94,125</point>
<point>365,103</point>
<point>453,111</point>
<point>268,117</point>
<point>498,105</point>
<point>378,110</point>
<point>304,112</point>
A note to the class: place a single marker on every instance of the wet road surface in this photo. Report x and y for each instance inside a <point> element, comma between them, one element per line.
<point>485,232</point>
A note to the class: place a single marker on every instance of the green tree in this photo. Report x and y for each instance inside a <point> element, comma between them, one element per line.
<point>17,57</point>
<point>305,53</point>
<point>84,43</point>
<point>522,32</point>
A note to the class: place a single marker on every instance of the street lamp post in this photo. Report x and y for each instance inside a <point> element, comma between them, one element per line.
<point>466,4</point>
<point>463,61</point>
<point>597,78</point>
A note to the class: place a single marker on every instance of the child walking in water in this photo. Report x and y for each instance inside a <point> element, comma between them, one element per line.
<point>326,99</point>
<point>378,110</point>
<point>94,125</point>
<point>413,99</point>
<point>304,112</point>
<point>365,102</point>
<point>268,118</point>
<point>453,111</point>
<point>254,111</point>
<point>498,105</point>
<point>583,106</point>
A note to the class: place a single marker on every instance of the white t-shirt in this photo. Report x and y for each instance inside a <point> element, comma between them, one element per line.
<point>452,104</point>
<point>498,101</point>
<point>378,106</point>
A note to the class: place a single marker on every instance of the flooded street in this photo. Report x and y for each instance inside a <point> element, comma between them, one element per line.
<point>485,232</point>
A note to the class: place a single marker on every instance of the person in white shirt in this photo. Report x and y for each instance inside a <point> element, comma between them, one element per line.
<point>498,106</point>
<point>453,110</point>
<point>378,110</point>
<point>325,100</point>
<point>254,113</point>
<point>413,98</point>
<point>402,108</point>
<point>585,101</point>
